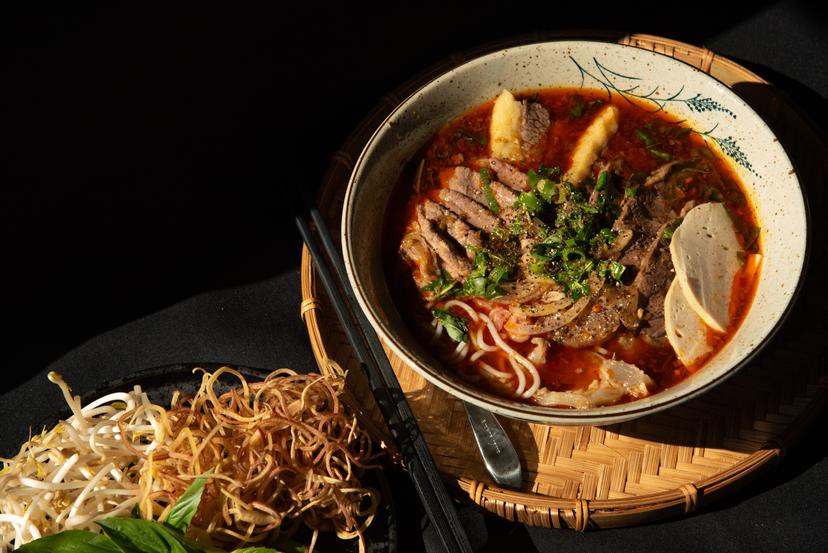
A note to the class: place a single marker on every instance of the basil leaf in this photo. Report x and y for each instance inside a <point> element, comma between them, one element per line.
<point>71,541</point>
<point>185,508</point>
<point>456,327</point>
<point>145,536</point>
<point>486,179</point>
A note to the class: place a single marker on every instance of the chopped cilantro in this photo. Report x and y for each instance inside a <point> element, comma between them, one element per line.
<point>442,286</point>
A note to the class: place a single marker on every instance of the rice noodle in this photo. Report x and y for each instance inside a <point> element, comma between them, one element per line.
<point>494,372</point>
<point>464,306</point>
<point>521,378</point>
<point>514,355</point>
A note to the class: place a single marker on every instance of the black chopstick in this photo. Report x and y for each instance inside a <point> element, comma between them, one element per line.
<point>386,388</point>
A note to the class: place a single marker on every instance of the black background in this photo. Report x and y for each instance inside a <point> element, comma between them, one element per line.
<point>153,155</point>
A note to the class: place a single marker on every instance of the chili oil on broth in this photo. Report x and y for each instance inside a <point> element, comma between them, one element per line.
<point>644,141</point>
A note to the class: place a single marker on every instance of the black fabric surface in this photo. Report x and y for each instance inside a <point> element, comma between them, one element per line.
<point>154,161</point>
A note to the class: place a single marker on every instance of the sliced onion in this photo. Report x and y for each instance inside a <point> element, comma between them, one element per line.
<point>516,326</point>
<point>524,290</point>
<point>543,309</point>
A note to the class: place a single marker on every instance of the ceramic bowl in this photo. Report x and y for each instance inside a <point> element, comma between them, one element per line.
<point>711,108</point>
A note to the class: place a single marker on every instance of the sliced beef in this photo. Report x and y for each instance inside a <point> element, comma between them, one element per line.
<point>509,175</point>
<point>465,235</point>
<point>468,182</point>
<point>652,281</point>
<point>449,252</point>
<point>534,124</point>
<point>647,215</point>
<point>471,211</point>
<point>656,270</point>
<point>504,195</point>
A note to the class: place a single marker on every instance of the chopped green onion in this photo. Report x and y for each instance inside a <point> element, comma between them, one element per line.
<point>486,179</point>
<point>660,154</point>
<point>644,137</point>
<point>630,191</point>
<point>499,273</point>
<point>603,179</point>
<point>529,202</point>
<point>547,190</point>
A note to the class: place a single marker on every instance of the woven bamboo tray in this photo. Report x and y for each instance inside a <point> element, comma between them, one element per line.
<point>650,468</point>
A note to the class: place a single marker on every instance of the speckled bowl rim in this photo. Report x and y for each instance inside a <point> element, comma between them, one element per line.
<point>548,415</point>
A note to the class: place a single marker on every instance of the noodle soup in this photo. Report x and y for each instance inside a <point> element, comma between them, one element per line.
<point>563,248</point>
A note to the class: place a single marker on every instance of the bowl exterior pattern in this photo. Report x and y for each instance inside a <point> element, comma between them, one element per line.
<point>659,83</point>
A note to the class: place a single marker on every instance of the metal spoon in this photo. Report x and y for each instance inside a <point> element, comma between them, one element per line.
<point>495,447</point>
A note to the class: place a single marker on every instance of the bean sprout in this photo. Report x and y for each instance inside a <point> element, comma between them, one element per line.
<point>77,472</point>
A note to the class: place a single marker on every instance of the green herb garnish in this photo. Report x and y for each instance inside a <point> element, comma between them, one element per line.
<point>456,327</point>
<point>659,154</point>
<point>651,146</point>
<point>644,137</point>
<point>603,180</point>
<point>484,282</point>
<point>442,286</point>
<point>136,535</point>
<point>528,201</point>
<point>578,106</point>
<point>468,136</point>
<point>486,180</point>
<point>670,229</point>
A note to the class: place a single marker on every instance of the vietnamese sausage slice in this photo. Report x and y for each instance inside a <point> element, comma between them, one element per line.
<point>704,250</point>
<point>686,331</point>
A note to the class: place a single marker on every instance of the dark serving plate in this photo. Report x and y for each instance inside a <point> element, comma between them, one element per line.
<point>159,383</point>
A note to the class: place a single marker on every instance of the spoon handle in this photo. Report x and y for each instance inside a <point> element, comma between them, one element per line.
<point>495,447</point>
